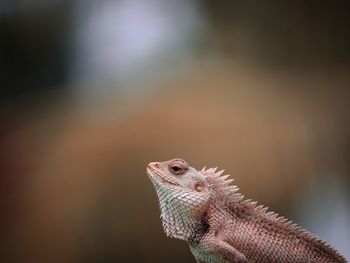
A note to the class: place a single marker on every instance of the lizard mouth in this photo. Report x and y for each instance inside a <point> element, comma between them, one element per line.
<point>156,174</point>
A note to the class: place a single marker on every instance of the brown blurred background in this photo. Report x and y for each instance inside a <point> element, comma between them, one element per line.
<point>91,91</point>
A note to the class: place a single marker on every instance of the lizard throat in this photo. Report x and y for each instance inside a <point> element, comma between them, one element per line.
<point>180,210</point>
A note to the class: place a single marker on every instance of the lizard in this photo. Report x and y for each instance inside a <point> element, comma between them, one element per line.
<point>203,208</point>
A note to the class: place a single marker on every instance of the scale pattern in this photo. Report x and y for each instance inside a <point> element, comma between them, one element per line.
<point>221,226</point>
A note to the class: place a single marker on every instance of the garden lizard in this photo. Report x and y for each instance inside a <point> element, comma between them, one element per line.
<point>204,209</point>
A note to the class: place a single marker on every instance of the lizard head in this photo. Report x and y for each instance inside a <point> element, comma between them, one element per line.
<point>183,194</point>
<point>176,173</point>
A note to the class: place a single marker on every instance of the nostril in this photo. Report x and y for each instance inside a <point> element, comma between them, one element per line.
<point>154,164</point>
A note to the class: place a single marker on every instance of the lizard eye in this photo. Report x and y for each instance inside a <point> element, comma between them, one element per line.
<point>178,167</point>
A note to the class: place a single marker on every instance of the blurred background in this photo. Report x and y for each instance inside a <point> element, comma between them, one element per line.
<point>91,91</point>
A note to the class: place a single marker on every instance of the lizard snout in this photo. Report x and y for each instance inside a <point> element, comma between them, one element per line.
<point>153,165</point>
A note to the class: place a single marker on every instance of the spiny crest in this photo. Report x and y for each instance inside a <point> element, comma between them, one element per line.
<point>289,224</point>
<point>221,185</point>
<point>226,192</point>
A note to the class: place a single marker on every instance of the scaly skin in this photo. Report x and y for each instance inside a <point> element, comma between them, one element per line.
<point>202,208</point>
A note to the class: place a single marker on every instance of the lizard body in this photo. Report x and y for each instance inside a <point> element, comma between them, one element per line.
<point>202,208</point>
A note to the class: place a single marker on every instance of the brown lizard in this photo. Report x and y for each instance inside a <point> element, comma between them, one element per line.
<point>202,208</point>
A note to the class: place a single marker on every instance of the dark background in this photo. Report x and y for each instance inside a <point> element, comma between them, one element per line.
<point>91,91</point>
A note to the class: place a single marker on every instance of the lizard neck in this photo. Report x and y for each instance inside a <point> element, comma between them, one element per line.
<point>181,210</point>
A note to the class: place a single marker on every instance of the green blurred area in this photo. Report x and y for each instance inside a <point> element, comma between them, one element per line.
<point>258,88</point>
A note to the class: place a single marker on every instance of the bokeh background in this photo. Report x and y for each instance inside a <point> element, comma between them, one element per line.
<point>91,91</point>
